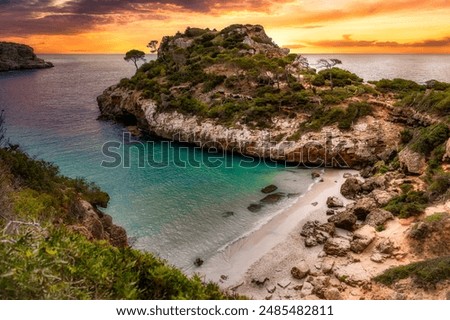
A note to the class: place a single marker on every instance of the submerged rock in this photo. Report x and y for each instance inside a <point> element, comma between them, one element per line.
<point>198,262</point>
<point>269,189</point>
<point>254,207</point>
<point>228,214</point>
<point>273,198</point>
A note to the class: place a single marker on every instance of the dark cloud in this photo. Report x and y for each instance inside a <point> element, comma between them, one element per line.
<point>23,17</point>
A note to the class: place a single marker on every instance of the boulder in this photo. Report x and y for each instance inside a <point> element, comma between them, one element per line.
<point>337,246</point>
<point>362,207</point>
<point>378,217</point>
<point>227,214</point>
<point>330,212</point>
<point>254,207</point>
<point>327,265</point>
<point>382,197</point>
<point>198,262</point>
<point>362,238</point>
<point>386,246</point>
<point>269,189</point>
<point>334,202</point>
<point>344,220</point>
<point>351,188</point>
<point>300,271</point>
<point>307,289</point>
<point>320,284</point>
<point>332,294</point>
<point>412,161</point>
<point>353,274</point>
<point>316,233</point>
<point>273,198</point>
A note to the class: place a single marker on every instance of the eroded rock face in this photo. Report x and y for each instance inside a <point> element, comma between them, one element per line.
<point>330,146</point>
<point>15,56</point>
<point>412,162</point>
<point>96,225</point>
<point>378,217</point>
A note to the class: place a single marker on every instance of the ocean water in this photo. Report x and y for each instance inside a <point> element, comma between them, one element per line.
<point>180,212</point>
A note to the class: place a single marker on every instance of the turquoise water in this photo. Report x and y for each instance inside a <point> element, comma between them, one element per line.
<point>177,212</point>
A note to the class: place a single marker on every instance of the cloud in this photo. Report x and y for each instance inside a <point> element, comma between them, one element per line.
<point>22,17</point>
<point>348,42</point>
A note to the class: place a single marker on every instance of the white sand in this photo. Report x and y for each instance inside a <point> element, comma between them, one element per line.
<point>277,245</point>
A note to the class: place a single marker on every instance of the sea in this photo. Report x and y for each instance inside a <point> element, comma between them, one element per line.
<point>175,206</point>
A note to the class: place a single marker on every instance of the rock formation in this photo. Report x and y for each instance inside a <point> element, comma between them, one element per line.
<point>15,56</point>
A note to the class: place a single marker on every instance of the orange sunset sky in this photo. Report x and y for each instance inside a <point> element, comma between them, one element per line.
<point>309,26</point>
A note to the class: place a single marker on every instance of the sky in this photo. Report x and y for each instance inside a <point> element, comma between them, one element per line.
<point>304,26</point>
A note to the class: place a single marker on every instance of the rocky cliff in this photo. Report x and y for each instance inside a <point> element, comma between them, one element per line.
<point>236,90</point>
<point>15,56</point>
<point>368,141</point>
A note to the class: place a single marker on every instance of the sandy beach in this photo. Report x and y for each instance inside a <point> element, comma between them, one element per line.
<point>277,245</point>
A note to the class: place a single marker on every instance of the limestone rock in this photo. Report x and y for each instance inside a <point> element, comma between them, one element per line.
<point>327,265</point>
<point>353,274</point>
<point>362,238</point>
<point>334,202</point>
<point>386,246</point>
<point>412,161</point>
<point>382,197</point>
<point>332,294</point>
<point>337,246</point>
<point>377,217</point>
<point>316,233</point>
<point>320,284</point>
<point>300,271</point>
<point>15,56</point>
<point>362,207</point>
<point>351,188</point>
<point>307,289</point>
<point>273,198</point>
<point>344,220</point>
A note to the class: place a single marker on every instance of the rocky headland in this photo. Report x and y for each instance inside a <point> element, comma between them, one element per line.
<point>15,56</point>
<point>382,234</point>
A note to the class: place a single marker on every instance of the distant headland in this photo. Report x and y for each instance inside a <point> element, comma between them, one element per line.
<point>16,56</point>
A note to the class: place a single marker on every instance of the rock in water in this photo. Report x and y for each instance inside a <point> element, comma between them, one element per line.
<point>269,189</point>
<point>15,56</point>
<point>254,207</point>
<point>228,214</point>
<point>273,198</point>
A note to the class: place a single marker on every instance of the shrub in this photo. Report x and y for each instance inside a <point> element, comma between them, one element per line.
<point>432,101</point>
<point>406,136</point>
<point>440,185</point>
<point>408,204</point>
<point>354,111</point>
<point>430,137</point>
<point>397,85</point>
<point>341,78</point>
<point>425,273</point>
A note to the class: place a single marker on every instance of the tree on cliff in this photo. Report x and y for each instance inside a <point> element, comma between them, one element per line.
<point>329,64</point>
<point>152,46</point>
<point>134,56</point>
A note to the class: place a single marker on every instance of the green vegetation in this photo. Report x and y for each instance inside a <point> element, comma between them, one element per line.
<point>436,217</point>
<point>341,78</point>
<point>432,101</point>
<point>399,86</point>
<point>343,117</point>
<point>425,273</point>
<point>410,203</point>
<point>58,264</point>
<point>134,56</point>
<point>43,257</point>
<point>430,138</point>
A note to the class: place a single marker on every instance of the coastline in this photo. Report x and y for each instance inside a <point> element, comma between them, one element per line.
<point>236,263</point>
